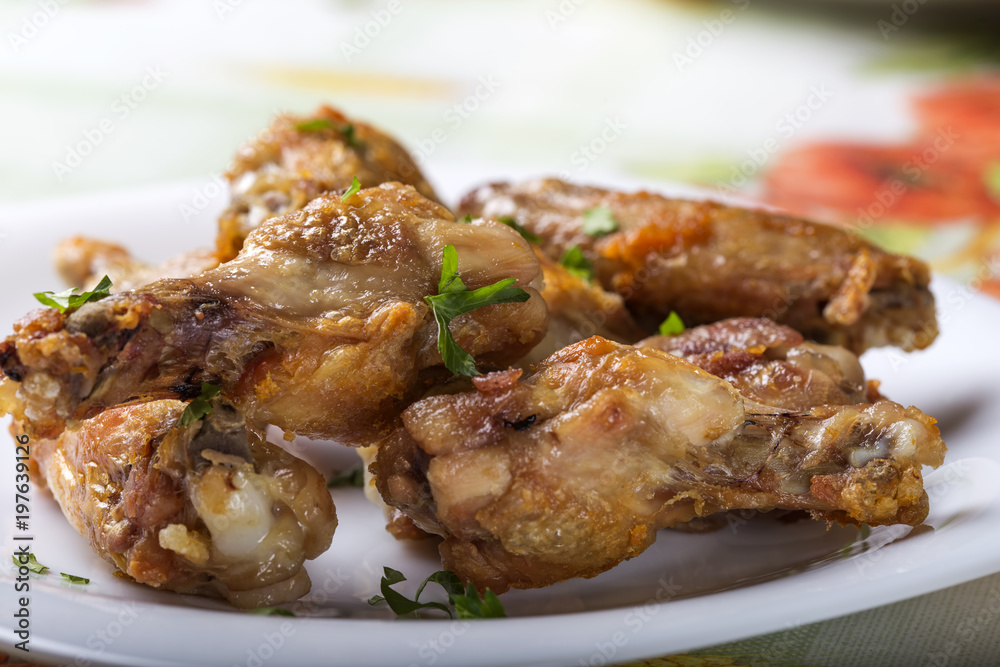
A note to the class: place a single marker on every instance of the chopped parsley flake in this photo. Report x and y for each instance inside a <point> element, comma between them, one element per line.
<point>672,326</point>
<point>599,221</point>
<point>69,300</point>
<point>454,299</point>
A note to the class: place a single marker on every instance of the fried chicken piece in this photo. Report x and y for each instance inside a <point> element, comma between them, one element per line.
<point>299,158</point>
<point>578,310</point>
<point>291,163</point>
<point>567,471</point>
<point>771,364</point>
<point>82,262</point>
<point>208,508</point>
<point>318,327</point>
<point>709,262</point>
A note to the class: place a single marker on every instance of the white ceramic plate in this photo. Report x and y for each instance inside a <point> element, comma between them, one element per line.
<point>685,592</point>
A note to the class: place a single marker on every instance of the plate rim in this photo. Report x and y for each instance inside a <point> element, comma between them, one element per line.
<point>408,636</point>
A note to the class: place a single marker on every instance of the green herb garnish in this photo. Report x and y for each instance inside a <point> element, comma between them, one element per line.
<point>454,299</point>
<point>991,176</point>
<point>349,136</point>
<point>271,611</point>
<point>73,579</point>
<point>319,124</point>
<point>578,265</point>
<point>351,477</point>
<point>33,565</point>
<point>351,191</point>
<point>200,407</point>
<point>314,125</point>
<point>462,602</point>
<point>467,219</point>
<point>672,326</point>
<point>528,236</point>
<point>599,221</point>
<point>471,605</point>
<point>69,300</point>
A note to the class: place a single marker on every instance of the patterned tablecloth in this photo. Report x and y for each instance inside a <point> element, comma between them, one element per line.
<point>884,116</point>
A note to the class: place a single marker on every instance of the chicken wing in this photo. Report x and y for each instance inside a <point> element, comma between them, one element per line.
<point>578,310</point>
<point>207,508</point>
<point>771,364</point>
<point>318,327</point>
<point>709,262</point>
<point>82,262</point>
<point>569,470</point>
<point>299,158</point>
<point>291,163</point>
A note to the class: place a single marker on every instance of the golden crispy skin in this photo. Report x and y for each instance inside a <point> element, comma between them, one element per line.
<point>710,262</point>
<point>299,158</point>
<point>578,310</point>
<point>771,364</point>
<point>82,262</point>
<point>318,326</point>
<point>569,470</point>
<point>291,163</point>
<point>201,509</point>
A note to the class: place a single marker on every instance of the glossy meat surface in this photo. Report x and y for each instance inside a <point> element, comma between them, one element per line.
<point>297,159</point>
<point>578,310</point>
<point>771,364</point>
<point>709,262</point>
<point>569,470</point>
<point>318,326</point>
<point>206,509</point>
<point>82,262</point>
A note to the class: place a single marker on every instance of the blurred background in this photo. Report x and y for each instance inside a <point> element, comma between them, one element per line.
<point>879,114</point>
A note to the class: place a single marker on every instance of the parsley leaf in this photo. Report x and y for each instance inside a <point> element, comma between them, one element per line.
<point>351,191</point>
<point>319,124</point>
<point>349,136</point>
<point>446,579</point>
<point>271,611</point>
<point>314,125</point>
<point>73,579</point>
<point>599,221</point>
<point>462,602</point>
<point>470,605</point>
<point>467,219</point>
<point>200,407</point>
<point>578,265</point>
<point>454,299</point>
<point>528,236</point>
<point>399,603</point>
<point>33,565</point>
<point>672,326</point>
<point>351,477</point>
<point>69,300</point>
<point>450,280</point>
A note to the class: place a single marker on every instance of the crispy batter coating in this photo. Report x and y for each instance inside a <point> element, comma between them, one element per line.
<point>532,478</point>
<point>319,325</point>
<point>299,158</point>
<point>200,509</point>
<point>709,262</point>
